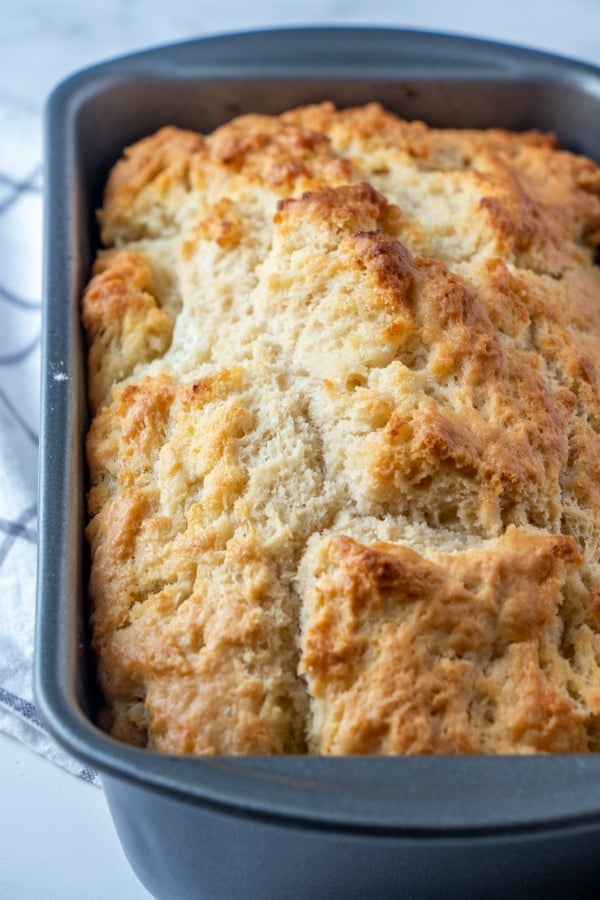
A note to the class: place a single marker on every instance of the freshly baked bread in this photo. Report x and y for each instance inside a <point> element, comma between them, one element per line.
<point>345,448</point>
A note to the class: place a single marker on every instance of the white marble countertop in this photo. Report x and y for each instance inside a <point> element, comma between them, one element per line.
<point>56,836</point>
<point>57,840</point>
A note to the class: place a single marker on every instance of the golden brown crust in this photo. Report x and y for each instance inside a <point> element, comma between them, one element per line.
<point>149,170</point>
<point>188,615</point>
<point>409,655</point>
<point>347,417</point>
<point>123,321</point>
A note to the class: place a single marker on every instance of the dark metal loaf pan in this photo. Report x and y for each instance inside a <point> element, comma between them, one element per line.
<point>288,827</point>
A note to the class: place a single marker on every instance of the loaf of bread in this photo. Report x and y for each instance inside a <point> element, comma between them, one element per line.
<point>345,447</point>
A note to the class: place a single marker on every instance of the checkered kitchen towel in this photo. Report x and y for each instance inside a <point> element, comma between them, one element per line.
<point>20,281</point>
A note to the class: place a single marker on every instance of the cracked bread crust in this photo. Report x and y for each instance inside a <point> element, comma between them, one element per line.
<point>345,446</point>
<point>440,655</point>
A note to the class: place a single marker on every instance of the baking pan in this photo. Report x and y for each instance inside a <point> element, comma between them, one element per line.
<point>289,827</point>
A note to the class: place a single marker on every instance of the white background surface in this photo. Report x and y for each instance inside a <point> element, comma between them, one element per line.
<point>56,837</point>
<point>57,840</point>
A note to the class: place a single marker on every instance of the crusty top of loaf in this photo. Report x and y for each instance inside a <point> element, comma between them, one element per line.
<point>345,450</point>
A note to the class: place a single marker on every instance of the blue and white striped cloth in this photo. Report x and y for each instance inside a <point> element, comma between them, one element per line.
<point>20,283</point>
